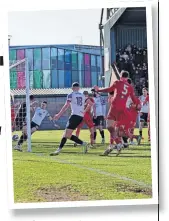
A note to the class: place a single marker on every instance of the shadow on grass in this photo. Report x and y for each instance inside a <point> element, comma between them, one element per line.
<point>135,156</point>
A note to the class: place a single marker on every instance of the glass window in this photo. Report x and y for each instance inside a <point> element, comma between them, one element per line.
<point>81,78</point>
<point>68,60</point>
<point>74,60</point>
<point>87,79</point>
<point>53,58</point>
<point>93,63</point>
<point>46,79</point>
<point>80,61</point>
<point>31,79</point>
<point>94,77</point>
<point>37,79</point>
<point>54,79</point>
<point>45,58</point>
<point>61,59</point>
<point>68,78</point>
<point>21,80</point>
<point>37,59</point>
<point>29,55</point>
<point>87,59</point>
<point>61,78</point>
<point>12,55</point>
<point>13,79</point>
<point>98,63</point>
<point>20,54</point>
<point>75,76</point>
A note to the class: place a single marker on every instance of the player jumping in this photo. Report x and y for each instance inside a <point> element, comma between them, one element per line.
<point>117,111</point>
<point>76,101</point>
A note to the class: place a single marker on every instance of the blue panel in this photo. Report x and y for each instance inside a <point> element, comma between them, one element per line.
<point>45,58</point>
<point>113,46</point>
<point>81,78</point>
<point>29,55</point>
<point>98,64</point>
<point>68,79</point>
<point>94,78</point>
<point>54,79</point>
<point>61,78</point>
<point>53,58</point>
<point>67,60</point>
<point>75,76</point>
<point>61,59</point>
<point>93,63</point>
<point>80,61</point>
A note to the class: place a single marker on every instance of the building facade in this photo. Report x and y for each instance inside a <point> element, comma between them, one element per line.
<point>57,66</point>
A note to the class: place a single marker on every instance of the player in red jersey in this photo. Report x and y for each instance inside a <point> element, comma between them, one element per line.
<point>118,111</point>
<point>87,118</point>
<point>148,118</point>
<point>127,126</point>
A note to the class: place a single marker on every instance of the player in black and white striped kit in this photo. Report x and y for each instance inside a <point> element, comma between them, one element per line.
<point>99,113</point>
<point>75,100</point>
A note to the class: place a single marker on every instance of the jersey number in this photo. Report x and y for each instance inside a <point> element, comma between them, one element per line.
<point>125,89</point>
<point>79,101</point>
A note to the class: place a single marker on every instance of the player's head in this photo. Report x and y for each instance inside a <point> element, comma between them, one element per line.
<point>86,93</point>
<point>111,93</point>
<point>144,91</point>
<point>31,97</point>
<point>124,74</point>
<point>129,81</point>
<point>94,93</point>
<point>75,86</point>
<point>44,104</point>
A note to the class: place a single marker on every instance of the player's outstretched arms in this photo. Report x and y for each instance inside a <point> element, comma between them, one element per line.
<point>107,89</point>
<point>61,112</point>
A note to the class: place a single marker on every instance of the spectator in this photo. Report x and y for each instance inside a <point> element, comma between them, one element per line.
<point>134,60</point>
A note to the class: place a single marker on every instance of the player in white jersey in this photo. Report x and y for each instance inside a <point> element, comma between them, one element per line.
<point>144,110</point>
<point>99,114</point>
<point>39,116</point>
<point>76,101</point>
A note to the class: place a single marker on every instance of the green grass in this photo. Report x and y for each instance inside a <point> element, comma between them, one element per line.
<point>75,176</point>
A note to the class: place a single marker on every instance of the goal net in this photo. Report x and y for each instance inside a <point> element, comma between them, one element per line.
<point>20,106</point>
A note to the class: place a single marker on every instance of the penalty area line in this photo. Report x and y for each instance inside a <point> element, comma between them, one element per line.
<point>139,183</point>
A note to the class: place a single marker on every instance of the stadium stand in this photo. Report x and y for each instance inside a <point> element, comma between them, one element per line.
<point>134,60</point>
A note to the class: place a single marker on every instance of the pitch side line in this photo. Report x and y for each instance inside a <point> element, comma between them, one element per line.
<point>99,171</point>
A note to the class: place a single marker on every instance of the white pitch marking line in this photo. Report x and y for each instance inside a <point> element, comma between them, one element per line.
<point>101,172</point>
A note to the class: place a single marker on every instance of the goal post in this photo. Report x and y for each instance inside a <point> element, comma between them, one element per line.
<point>20,79</point>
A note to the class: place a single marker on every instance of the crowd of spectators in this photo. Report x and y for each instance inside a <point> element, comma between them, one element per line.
<point>134,60</point>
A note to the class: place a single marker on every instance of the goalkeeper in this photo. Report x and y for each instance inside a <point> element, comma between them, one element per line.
<point>39,116</point>
<point>20,119</point>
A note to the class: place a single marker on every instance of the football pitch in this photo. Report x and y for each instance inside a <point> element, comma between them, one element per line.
<point>74,176</point>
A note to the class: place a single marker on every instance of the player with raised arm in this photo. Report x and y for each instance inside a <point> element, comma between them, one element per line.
<point>39,116</point>
<point>99,113</point>
<point>89,102</point>
<point>76,101</point>
<point>144,110</point>
<point>118,111</point>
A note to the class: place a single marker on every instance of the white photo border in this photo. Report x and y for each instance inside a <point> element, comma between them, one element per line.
<point>154,199</point>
